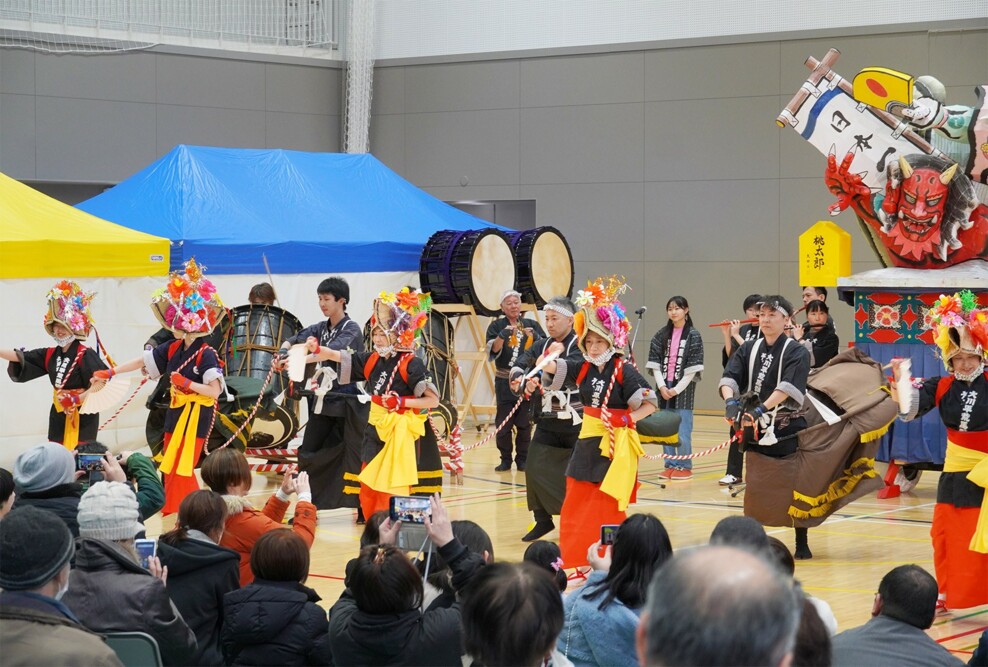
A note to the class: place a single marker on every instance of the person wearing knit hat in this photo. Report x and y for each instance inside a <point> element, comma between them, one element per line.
<point>7,495</point>
<point>190,308</point>
<point>400,455</point>
<point>507,338</point>
<point>110,590</point>
<point>45,477</point>
<point>960,517</point>
<point>69,365</point>
<point>36,628</point>
<point>602,475</point>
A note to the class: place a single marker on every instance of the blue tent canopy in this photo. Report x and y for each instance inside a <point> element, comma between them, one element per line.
<point>305,212</point>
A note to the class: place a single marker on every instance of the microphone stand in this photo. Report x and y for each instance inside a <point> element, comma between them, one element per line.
<point>634,336</point>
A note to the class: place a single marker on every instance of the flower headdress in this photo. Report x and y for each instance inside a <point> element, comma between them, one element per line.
<point>602,312</point>
<point>188,305</point>
<point>959,326</point>
<point>68,305</point>
<point>403,314</point>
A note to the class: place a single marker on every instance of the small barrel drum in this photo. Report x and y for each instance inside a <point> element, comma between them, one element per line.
<point>474,267</point>
<point>258,332</point>
<point>543,264</point>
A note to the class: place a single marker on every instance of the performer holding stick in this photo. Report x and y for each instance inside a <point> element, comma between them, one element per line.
<point>69,365</point>
<point>960,517</point>
<point>400,455</point>
<point>507,338</point>
<point>190,308</point>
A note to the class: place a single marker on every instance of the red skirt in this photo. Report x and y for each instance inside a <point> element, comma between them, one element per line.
<point>372,501</point>
<point>585,509</point>
<point>177,486</point>
<point>962,574</point>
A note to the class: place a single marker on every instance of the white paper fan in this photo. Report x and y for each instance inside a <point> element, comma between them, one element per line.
<point>111,393</point>
<point>904,386</point>
<point>296,362</point>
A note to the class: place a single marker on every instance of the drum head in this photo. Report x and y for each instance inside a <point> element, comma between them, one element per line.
<point>444,418</point>
<point>492,272</point>
<point>274,429</point>
<point>552,266</point>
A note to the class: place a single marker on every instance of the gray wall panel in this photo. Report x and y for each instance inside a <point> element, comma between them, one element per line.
<point>582,144</point>
<point>588,216</point>
<point>476,193</point>
<point>462,87</point>
<point>698,139</point>
<point>297,89</point>
<point>17,136</point>
<point>203,126</point>
<point>387,141</point>
<point>17,71</point>
<point>389,90</point>
<point>302,132</point>
<point>592,79</point>
<point>712,221</point>
<point>962,57</point>
<point>443,148</point>
<point>736,70</point>
<point>93,140</point>
<point>210,82</point>
<point>124,77</point>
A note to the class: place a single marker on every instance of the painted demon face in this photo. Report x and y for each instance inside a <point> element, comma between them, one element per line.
<point>920,214</point>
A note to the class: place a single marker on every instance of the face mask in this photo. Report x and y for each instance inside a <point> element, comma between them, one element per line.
<point>384,350</point>
<point>600,359</point>
<point>62,342</point>
<point>63,589</point>
<point>973,375</point>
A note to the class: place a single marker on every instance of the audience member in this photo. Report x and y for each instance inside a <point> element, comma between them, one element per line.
<point>741,532</point>
<point>438,588</point>
<point>378,619</point>
<point>35,627</point>
<point>718,605</point>
<point>110,590</point>
<point>512,616</point>
<point>227,472</point>
<point>783,558</point>
<point>980,656</point>
<point>7,495</point>
<point>812,647</point>
<point>903,609</point>
<point>45,477</point>
<point>200,572</point>
<point>139,472</point>
<point>548,556</point>
<point>601,617</point>
<point>275,620</point>
<point>372,529</point>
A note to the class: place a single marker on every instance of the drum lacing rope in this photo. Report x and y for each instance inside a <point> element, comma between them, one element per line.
<point>247,420</point>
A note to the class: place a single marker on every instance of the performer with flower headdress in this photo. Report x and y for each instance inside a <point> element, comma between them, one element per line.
<point>69,365</point>
<point>400,455</point>
<point>960,518</point>
<point>557,412</point>
<point>190,308</point>
<point>602,476</point>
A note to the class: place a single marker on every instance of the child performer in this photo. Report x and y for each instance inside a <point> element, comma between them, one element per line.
<point>190,308</point>
<point>400,455</point>
<point>69,365</point>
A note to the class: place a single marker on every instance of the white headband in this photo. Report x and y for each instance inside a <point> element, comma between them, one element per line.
<point>508,293</point>
<point>775,306</point>
<point>559,309</point>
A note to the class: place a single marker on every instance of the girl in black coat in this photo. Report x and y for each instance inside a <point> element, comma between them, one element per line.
<point>200,572</point>
<point>275,619</point>
<point>818,335</point>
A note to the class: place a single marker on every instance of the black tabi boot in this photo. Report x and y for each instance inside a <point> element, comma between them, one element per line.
<point>802,545</point>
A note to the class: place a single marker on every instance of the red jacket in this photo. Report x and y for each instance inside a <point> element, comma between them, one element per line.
<point>244,524</point>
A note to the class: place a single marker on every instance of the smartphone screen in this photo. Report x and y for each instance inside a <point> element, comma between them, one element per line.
<point>410,509</point>
<point>145,550</point>
<point>89,462</point>
<point>607,533</point>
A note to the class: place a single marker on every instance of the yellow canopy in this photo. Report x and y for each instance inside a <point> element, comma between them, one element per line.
<point>41,237</point>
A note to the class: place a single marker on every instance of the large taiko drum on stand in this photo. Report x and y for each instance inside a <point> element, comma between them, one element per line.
<point>543,264</point>
<point>474,267</point>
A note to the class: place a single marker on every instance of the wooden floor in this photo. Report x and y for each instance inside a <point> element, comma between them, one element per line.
<point>852,550</point>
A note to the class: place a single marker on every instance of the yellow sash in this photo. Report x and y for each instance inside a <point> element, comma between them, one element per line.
<point>182,445</point>
<point>975,464</point>
<point>393,470</point>
<point>620,479</point>
<point>70,436</point>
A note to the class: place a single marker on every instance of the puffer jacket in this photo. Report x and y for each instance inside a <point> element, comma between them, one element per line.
<point>110,592</point>
<point>62,500</point>
<point>275,623</point>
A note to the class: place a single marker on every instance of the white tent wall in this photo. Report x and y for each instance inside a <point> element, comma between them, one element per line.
<point>123,317</point>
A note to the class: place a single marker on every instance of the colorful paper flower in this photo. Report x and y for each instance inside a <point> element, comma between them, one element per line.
<point>194,301</point>
<point>191,322</point>
<point>177,287</point>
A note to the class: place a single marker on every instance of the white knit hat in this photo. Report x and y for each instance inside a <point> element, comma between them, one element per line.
<point>108,511</point>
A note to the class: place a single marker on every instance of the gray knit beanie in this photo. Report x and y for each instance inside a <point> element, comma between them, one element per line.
<point>44,467</point>
<point>34,547</point>
<point>108,511</point>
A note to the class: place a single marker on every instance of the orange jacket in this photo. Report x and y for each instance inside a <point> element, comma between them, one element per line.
<point>244,524</point>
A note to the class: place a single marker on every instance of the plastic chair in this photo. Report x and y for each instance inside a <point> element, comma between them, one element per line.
<point>135,649</point>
